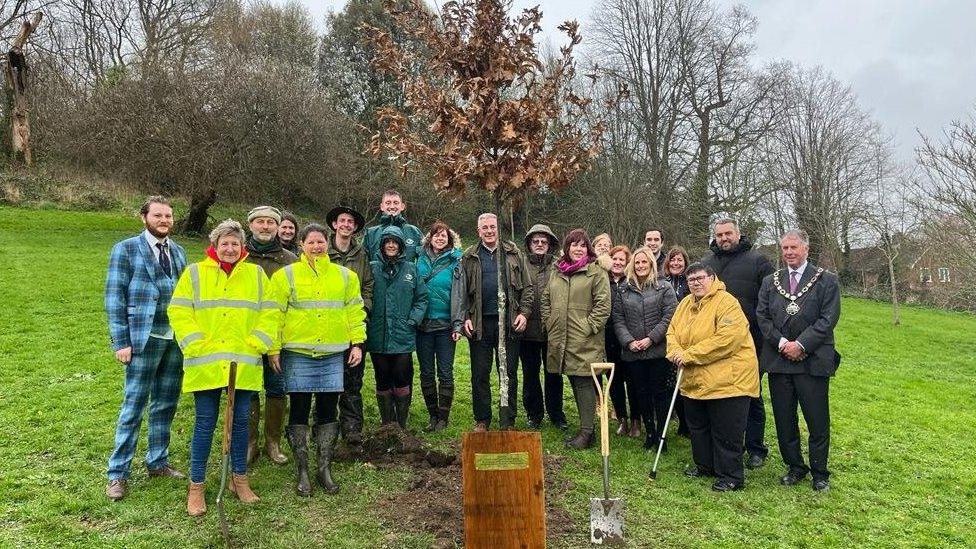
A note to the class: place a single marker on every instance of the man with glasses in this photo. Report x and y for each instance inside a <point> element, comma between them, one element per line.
<point>742,268</point>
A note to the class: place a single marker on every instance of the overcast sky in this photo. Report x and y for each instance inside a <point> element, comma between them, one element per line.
<point>911,62</point>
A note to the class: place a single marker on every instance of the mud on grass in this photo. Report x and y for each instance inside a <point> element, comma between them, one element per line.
<point>431,504</point>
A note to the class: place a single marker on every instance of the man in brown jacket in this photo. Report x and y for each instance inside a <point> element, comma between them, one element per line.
<point>264,249</point>
<point>479,266</point>
<point>345,250</point>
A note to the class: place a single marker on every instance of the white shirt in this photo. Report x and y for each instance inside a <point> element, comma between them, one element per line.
<point>152,240</point>
<point>799,275</point>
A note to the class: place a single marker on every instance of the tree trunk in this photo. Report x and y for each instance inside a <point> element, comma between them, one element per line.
<point>895,310</point>
<point>18,106</point>
<point>196,218</point>
<point>503,410</point>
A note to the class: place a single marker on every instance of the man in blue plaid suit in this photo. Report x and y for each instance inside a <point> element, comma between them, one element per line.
<point>142,272</point>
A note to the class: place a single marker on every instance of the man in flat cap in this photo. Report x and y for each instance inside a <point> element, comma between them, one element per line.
<point>264,249</point>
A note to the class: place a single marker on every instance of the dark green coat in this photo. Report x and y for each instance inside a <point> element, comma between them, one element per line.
<point>399,303</point>
<point>520,291</point>
<point>575,310</point>
<point>355,258</point>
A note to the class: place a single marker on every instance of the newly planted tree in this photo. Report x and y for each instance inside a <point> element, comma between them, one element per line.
<point>482,107</point>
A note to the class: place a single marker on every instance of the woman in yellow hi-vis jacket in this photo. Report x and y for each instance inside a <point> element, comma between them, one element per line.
<point>222,311</point>
<point>323,318</point>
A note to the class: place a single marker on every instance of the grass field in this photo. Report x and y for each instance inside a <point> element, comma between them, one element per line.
<point>903,408</point>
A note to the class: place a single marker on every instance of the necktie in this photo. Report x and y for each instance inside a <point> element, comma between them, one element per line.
<point>793,282</point>
<point>164,259</point>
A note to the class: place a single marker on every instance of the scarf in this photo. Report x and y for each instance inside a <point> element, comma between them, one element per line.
<point>568,268</point>
<point>256,246</point>
<point>395,220</point>
<point>225,266</point>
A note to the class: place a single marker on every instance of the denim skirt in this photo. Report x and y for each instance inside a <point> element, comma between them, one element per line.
<point>308,374</point>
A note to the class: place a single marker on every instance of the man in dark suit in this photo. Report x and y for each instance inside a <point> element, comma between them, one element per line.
<point>799,306</point>
<point>142,272</point>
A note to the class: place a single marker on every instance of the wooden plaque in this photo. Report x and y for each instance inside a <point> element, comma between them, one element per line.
<point>504,490</point>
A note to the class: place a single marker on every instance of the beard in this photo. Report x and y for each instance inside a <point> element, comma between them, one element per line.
<point>264,237</point>
<point>157,232</point>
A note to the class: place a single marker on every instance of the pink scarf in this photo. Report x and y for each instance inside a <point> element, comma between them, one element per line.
<point>568,268</point>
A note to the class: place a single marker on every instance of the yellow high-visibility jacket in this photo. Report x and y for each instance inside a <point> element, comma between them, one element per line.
<point>217,319</point>
<point>321,310</point>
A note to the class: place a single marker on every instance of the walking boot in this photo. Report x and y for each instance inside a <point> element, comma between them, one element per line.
<point>624,428</point>
<point>196,502</point>
<point>445,397</point>
<point>401,403</point>
<point>635,428</point>
<point>325,437</point>
<point>430,399</point>
<point>384,401</point>
<point>274,412</point>
<point>252,430</point>
<point>242,487</point>
<point>298,440</point>
<point>583,439</point>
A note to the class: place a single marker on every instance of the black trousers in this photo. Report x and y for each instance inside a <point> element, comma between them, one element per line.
<point>624,389</point>
<point>351,401</point>
<point>650,379</point>
<point>717,428</point>
<point>811,393</point>
<point>535,394</point>
<point>393,372</point>
<point>484,352</point>
<point>301,406</point>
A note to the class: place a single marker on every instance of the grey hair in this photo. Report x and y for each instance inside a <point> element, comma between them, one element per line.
<point>722,219</point>
<point>798,234</point>
<point>227,227</point>
<point>486,215</point>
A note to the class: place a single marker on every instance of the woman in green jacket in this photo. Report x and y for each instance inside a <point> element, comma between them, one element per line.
<point>399,305</point>
<point>322,318</point>
<point>575,309</point>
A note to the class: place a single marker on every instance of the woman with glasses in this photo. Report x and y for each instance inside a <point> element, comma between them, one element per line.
<point>709,340</point>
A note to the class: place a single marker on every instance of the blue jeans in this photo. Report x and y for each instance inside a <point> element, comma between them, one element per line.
<point>436,347</point>
<point>153,377</point>
<point>207,405</point>
<point>274,383</point>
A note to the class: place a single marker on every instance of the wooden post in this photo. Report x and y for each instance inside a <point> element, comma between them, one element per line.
<point>16,75</point>
<point>503,490</point>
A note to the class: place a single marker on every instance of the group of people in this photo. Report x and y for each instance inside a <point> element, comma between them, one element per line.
<point>297,307</point>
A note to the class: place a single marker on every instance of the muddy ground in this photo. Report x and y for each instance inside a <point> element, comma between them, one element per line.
<point>432,502</point>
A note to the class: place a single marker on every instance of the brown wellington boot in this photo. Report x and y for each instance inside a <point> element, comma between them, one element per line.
<point>274,412</point>
<point>240,486</point>
<point>196,502</point>
<point>252,430</point>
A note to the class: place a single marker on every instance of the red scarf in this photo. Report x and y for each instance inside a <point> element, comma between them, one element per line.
<point>225,266</point>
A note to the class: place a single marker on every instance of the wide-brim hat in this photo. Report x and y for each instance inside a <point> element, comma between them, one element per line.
<point>334,214</point>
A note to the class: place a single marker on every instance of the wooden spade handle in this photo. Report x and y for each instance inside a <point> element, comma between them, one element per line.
<point>602,394</point>
<point>229,412</point>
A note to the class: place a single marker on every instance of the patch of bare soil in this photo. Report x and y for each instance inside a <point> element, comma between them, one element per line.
<point>432,503</point>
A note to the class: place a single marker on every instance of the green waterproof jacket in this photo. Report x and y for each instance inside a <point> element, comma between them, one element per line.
<point>399,303</point>
<point>575,310</point>
<point>356,260</point>
<point>410,234</point>
<point>520,291</point>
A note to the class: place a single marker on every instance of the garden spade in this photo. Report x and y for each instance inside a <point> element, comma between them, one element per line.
<point>606,513</point>
<point>225,454</point>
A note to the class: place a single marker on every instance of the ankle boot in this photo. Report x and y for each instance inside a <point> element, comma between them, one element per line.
<point>274,411</point>
<point>401,403</point>
<point>446,396</point>
<point>240,485</point>
<point>196,501</point>
<point>583,439</point>
<point>298,440</point>
<point>384,401</point>
<point>252,429</point>
<point>430,399</point>
<point>635,428</point>
<point>325,437</point>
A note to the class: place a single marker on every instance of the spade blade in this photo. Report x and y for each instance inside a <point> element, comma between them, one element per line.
<point>607,521</point>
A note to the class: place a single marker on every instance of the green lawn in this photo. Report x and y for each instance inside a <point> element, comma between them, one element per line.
<point>902,448</point>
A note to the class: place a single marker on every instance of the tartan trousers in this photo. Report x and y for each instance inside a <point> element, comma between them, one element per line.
<point>153,377</point>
